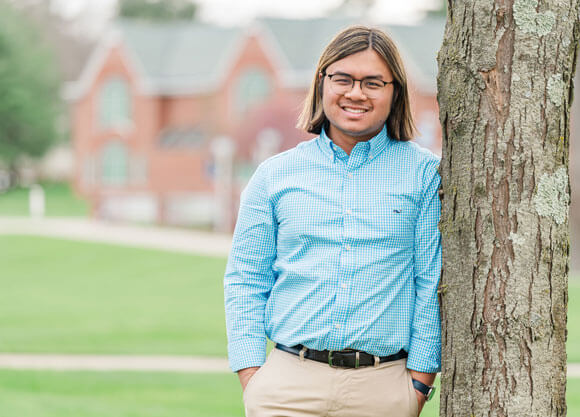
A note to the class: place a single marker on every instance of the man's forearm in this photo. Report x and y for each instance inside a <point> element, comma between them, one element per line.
<point>427,379</point>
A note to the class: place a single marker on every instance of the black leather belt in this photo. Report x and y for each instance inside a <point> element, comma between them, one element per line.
<point>341,358</point>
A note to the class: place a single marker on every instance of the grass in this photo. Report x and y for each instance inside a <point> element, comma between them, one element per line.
<point>60,201</point>
<point>77,297</point>
<point>117,394</point>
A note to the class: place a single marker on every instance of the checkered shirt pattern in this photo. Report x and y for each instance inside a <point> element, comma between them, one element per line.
<point>333,251</point>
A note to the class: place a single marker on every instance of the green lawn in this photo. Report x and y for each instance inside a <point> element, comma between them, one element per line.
<point>60,201</point>
<point>115,394</point>
<point>64,296</point>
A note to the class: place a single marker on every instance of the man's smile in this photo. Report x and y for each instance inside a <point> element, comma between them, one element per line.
<point>355,110</point>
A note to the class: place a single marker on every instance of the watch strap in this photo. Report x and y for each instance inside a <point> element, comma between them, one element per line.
<point>424,389</point>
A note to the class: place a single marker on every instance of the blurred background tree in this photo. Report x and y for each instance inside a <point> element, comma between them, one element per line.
<point>157,10</point>
<point>29,91</point>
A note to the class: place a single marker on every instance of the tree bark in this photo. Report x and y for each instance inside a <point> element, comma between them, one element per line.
<point>504,91</point>
<point>575,182</point>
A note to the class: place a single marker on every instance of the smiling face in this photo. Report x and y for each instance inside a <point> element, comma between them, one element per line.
<point>354,117</point>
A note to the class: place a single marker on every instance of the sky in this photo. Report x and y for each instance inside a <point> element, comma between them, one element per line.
<point>236,12</point>
<point>393,11</point>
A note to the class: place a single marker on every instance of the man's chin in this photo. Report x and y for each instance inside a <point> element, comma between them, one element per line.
<point>361,134</point>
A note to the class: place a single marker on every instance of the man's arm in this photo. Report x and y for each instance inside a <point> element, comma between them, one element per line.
<point>249,276</point>
<point>424,359</point>
<point>427,379</point>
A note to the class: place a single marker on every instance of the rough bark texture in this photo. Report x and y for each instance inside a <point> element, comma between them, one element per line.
<point>505,88</point>
<point>575,182</point>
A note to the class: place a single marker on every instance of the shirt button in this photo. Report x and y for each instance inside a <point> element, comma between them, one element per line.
<point>348,211</point>
<point>344,285</point>
<point>337,325</point>
<point>370,155</point>
<point>349,174</point>
<point>347,247</point>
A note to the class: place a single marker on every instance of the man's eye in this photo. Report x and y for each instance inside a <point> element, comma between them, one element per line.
<point>342,80</point>
<point>373,84</point>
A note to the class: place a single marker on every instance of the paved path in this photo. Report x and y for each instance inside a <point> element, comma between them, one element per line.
<point>113,363</point>
<point>173,239</point>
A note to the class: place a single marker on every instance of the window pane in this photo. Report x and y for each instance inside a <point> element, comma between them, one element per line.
<point>115,160</point>
<point>252,88</point>
<point>114,103</point>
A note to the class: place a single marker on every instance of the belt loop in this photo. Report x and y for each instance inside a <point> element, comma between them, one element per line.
<point>302,352</point>
<point>357,359</point>
<point>377,361</point>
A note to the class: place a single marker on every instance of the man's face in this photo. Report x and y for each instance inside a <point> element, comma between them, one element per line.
<point>353,116</point>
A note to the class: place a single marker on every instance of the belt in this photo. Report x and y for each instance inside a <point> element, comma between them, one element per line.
<point>348,358</point>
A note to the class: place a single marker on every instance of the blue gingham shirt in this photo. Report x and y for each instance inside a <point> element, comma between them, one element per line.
<point>333,251</point>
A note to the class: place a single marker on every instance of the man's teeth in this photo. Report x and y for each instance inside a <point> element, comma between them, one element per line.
<point>348,109</point>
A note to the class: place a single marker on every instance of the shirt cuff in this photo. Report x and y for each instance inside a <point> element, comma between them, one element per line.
<point>424,356</point>
<point>246,353</point>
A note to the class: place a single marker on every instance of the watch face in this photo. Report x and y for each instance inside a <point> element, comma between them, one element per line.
<point>430,393</point>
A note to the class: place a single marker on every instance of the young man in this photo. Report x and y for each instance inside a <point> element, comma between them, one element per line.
<point>336,252</point>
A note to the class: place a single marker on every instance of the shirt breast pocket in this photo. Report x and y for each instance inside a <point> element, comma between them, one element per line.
<point>395,220</point>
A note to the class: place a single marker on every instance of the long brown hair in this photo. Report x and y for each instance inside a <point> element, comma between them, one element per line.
<point>351,40</point>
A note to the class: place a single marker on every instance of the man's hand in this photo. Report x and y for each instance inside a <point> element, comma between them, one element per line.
<point>246,374</point>
<point>426,379</point>
<point>420,400</point>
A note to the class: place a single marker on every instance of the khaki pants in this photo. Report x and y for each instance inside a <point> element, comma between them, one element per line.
<point>289,387</point>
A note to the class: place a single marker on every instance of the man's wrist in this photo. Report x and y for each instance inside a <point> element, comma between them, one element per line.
<point>426,390</point>
<point>423,383</point>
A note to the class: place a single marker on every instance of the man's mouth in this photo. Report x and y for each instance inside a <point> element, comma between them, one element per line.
<point>354,110</point>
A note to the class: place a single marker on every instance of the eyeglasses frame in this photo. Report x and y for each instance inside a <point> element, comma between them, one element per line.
<point>354,80</point>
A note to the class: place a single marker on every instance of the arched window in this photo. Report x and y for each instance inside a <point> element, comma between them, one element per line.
<point>253,86</point>
<point>114,107</point>
<point>115,161</point>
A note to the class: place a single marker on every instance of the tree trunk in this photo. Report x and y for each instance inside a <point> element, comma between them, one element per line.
<point>13,175</point>
<point>505,88</point>
<point>575,182</point>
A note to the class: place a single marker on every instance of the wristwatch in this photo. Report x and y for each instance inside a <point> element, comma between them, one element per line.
<point>426,390</point>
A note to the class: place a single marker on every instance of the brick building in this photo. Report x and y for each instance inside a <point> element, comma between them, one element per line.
<point>169,120</point>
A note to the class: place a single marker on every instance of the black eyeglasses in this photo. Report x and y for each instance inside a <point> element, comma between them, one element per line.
<point>371,87</point>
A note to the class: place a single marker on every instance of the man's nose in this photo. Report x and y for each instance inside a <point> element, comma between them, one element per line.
<point>356,91</point>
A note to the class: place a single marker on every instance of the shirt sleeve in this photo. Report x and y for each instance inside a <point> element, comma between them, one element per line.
<point>249,275</point>
<point>425,343</point>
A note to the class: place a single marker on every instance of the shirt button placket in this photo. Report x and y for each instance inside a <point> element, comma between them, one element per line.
<point>343,284</point>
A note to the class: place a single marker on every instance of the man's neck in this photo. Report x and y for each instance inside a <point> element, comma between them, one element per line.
<point>345,141</point>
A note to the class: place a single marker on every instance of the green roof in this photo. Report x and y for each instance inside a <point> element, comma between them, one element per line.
<point>179,55</point>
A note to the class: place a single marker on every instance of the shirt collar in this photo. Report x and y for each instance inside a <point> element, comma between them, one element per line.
<point>377,144</point>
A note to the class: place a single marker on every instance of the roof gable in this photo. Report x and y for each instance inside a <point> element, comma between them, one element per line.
<point>179,57</point>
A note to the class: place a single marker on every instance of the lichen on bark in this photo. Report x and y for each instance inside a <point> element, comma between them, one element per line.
<point>555,89</point>
<point>531,21</point>
<point>552,198</point>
